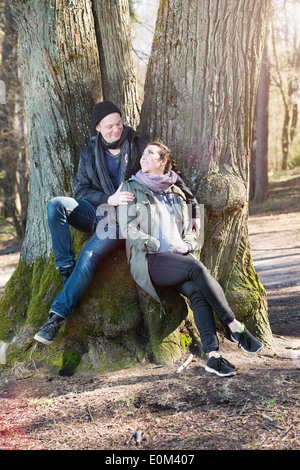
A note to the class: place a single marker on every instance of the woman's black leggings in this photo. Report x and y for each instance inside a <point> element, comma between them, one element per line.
<point>193,279</point>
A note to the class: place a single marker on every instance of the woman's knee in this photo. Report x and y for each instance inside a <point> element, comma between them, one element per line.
<point>198,268</point>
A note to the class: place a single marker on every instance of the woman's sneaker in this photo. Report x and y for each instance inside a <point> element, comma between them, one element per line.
<point>220,366</point>
<point>247,341</point>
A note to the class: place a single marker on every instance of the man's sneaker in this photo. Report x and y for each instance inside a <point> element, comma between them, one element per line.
<point>66,272</point>
<point>246,341</point>
<point>49,329</point>
<point>220,366</point>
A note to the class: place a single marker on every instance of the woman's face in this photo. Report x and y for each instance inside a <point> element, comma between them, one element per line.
<point>151,161</point>
<point>111,127</point>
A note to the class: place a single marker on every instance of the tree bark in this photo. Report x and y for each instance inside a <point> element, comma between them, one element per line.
<point>60,69</point>
<point>199,99</point>
<point>113,32</point>
<point>23,161</point>
<point>14,183</point>
<point>286,66</point>
<point>113,324</point>
<point>262,129</point>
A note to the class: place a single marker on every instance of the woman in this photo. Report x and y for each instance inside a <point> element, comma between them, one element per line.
<point>159,245</point>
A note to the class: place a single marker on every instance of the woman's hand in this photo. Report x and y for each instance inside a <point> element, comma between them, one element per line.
<point>120,198</point>
<point>195,224</point>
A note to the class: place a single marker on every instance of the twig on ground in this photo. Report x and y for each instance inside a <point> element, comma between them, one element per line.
<point>185,364</point>
<point>137,435</point>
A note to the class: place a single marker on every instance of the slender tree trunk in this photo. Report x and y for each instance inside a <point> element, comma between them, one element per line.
<point>200,98</point>
<point>290,121</point>
<point>113,31</point>
<point>288,130</point>
<point>252,166</point>
<point>285,137</point>
<point>262,128</point>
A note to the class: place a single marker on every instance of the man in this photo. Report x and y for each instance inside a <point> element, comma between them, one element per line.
<point>112,156</point>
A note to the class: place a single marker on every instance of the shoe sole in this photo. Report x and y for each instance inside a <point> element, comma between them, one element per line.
<point>245,350</point>
<point>42,340</point>
<point>209,369</point>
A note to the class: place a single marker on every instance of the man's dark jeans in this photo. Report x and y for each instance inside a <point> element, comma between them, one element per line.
<point>193,279</point>
<point>80,214</point>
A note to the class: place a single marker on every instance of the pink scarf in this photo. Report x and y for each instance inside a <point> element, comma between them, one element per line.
<point>157,182</point>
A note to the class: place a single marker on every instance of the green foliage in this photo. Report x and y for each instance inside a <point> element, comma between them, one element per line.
<point>15,301</point>
<point>295,161</point>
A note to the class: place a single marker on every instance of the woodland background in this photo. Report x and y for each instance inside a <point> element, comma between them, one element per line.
<point>214,113</point>
<point>150,405</point>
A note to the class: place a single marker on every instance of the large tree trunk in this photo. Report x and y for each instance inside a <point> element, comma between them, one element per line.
<point>199,99</point>
<point>114,324</point>
<point>59,64</point>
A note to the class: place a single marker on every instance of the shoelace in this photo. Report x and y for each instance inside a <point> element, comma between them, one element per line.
<point>52,325</point>
<point>224,361</point>
<point>227,363</point>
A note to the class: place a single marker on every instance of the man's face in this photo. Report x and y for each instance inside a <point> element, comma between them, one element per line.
<point>111,127</point>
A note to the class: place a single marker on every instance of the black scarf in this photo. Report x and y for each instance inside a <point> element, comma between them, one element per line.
<point>125,150</point>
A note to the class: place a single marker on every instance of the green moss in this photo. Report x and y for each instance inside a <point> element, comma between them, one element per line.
<point>111,301</point>
<point>114,326</point>
<point>15,301</point>
<point>164,326</point>
<point>247,296</point>
<point>57,69</point>
<point>185,342</point>
<point>73,56</point>
<point>45,285</point>
<point>70,362</point>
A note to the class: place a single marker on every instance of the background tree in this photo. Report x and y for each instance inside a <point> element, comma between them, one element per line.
<point>260,133</point>
<point>14,152</point>
<point>200,95</point>
<point>113,32</point>
<point>285,40</point>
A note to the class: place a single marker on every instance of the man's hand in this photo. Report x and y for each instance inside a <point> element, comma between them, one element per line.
<point>120,198</point>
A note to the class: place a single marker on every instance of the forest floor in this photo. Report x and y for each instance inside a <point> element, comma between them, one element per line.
<point>156,408</point>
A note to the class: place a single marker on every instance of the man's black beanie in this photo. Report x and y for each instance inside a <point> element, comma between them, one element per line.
<point>102,109</point>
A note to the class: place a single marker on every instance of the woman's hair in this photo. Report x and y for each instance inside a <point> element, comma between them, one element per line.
<point>165,152</point>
